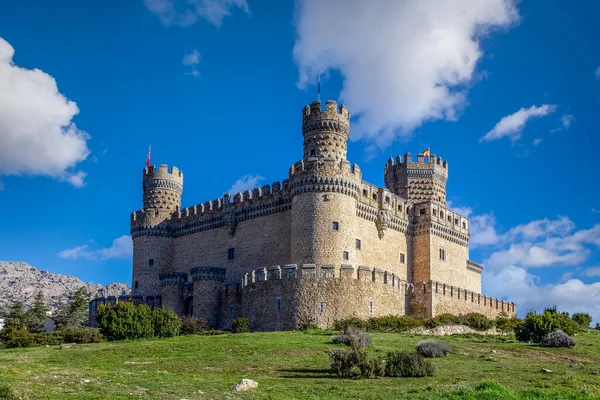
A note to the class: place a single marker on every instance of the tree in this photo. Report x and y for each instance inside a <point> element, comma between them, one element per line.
<point>73,314</point>
<point>16,315</point>
<point>582,319</point>
<point>36,316</point>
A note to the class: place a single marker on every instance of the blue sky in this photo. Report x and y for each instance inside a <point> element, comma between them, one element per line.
<point>506,91</point>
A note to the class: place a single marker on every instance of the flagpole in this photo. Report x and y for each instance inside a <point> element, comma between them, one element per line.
<point>319,89</point>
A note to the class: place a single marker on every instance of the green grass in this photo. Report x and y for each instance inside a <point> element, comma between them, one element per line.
<point>291,365</point>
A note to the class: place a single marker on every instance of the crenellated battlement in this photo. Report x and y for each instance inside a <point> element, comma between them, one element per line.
<point>314,112</point>
<point>419,180</point>
<point>325,131</point>
<point>163,172</point>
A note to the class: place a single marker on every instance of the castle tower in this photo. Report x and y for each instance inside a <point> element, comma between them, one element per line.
<point>325,132</point>
<point>418,181</point>
<point>324,188</point>
<point>208,283</point>
<point>152,243</point>
<point>172,290</point>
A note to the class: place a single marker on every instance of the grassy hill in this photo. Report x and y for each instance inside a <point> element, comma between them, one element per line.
<point>291,365</point>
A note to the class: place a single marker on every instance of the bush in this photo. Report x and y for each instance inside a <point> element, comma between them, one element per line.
<point>433,349</point>
<point>125,321</point>
<point>442,320</point>
<point>345,323</point>
<point>582,319</point>
<point>166,322</point>
<point>6,393</point>
<point>558,339</point>
<point>192,326</point>
<point>49,338</point>
<point>403,364</point>
<point>477,321</point>
<point>240,325</point>
<point>81,335</point>
<point>371,367</point>
<point>536,326</point>
<point>307,327</point>
<point>393,323</point>
<point>506,324</point>
<point>16,336</point>
<point>344,363</point>
<point>353,337</point>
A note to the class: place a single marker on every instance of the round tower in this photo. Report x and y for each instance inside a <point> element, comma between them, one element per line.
<point>324,188</point>
<point>207,288</point>
<point>152,241</point>
<point>418,181</point>
<point>325,132</point>
<point>172,290</point>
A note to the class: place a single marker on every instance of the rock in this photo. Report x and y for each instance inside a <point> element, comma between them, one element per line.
<point>594,372</point>
<point>546,371</point>
<point>66,346</point>
<point>244,385</point>
<point>85,381</point>
<point>494,351</point>
<point>20,281</point>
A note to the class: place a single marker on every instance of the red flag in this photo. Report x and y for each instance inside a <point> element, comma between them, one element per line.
<point>148,159</point>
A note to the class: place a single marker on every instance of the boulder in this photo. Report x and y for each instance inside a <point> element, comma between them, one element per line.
<point>244,385</point>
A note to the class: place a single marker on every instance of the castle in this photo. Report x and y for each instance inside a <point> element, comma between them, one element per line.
<point>320,246</point>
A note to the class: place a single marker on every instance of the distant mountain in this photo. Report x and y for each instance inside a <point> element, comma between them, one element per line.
<point>21,281</point>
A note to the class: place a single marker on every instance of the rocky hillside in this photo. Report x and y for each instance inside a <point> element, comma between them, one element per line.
<point>21,281</point>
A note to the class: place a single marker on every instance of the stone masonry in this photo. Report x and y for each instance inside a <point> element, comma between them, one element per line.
<point>320,246</point>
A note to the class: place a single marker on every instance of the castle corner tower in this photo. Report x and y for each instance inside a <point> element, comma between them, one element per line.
<point>325,132</point>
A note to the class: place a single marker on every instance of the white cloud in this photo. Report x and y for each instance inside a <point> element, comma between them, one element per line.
<point>247,182</point>
<point>512,125</point>
<point>598,72</point>
<point>537,142</point>
<point>37,133</point>
<point>591,272</point>
<point>521,287</point>
<point>567,120</point>
<point>481,227</point>
<point>192,58</point>
<point>595,211</point>
<point>403,62</point>
<point>121,248</point>
<point>187,12</point>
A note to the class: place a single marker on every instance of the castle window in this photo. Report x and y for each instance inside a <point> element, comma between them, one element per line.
<point>464,225</point>
<point>374,196</point>
<point>345,255</point>
<point>422,211</point>
<point>400,207</point>
<point>321,305</point>
<point>278,303</point>
<point>291,273</point>
<point>442,253</point>
<point>358,244</point>
<point>449,218</point>
<point>387,199</point>
<point>336,226</point>
<point>435,212</point>
<point>371,307</point>
<point>135,285</point>
<point>326,273</point>
<point>456,221</point>
<point>312,153</point>
<point>402,258</point>
<point>231,254</point>
<point>151,262</point>
<point>441,214</point>
<point>365,193</point>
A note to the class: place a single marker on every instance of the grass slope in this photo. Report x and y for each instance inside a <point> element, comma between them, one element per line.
<point>290,365</point>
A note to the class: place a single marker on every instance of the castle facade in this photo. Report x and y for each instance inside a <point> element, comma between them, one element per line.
<point>320,246</point>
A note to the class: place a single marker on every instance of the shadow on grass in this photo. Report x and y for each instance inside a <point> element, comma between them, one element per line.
<point>307,373</point>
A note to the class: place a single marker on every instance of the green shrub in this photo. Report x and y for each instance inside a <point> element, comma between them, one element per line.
<point>477,321</point>
<point>507,324</point>
<point>353,337</point>
<point>442,320</point>
<point>125,321</point>
<point>307,327</point>
<point>536,326</point>
<point>240,325</point>
<point>433,349</point>
<point>582,319</point>
<point>6,393</point>
<point>345,323</point>
<point>192,326</point>
<point>403,364</point>
<point>81,335</point>
<point>371,367</point>
<point>16,336</point>
<point>344,363</point>
<point>558,339</point>
<point>393,323</point>
<point>166,322</point>
<point>49,338</point>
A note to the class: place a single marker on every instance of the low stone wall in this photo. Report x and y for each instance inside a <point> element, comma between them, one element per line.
<point>292,296</point>
<point>434,298</point>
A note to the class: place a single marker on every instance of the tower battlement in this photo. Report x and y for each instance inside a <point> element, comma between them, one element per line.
<point>417,180</point>
<point>162,188</point>
<point>325,131</point>
<point>162,172</point>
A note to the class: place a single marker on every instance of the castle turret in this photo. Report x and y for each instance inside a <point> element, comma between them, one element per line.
<point>418,181</point>
<point>325,132</point>
<point>208,283</point>
<point>152,242</point>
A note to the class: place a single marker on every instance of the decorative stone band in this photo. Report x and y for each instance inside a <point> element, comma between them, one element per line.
<point>443,289</point>
<point>208,274</point>
<point>475,267</point>
<point>425,227</point>
<point>162,184</point>
<point>426,173</point>
<point>148,230</point>
<point>315,183</point>
<point>172,278</point>
<point>322,125</point>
